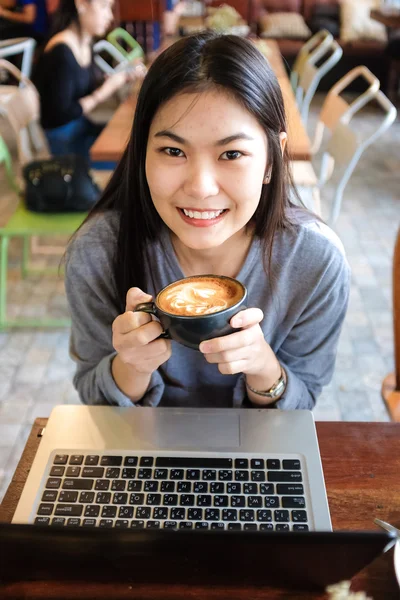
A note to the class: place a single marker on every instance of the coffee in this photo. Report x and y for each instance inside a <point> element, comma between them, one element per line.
<point>202,295</point>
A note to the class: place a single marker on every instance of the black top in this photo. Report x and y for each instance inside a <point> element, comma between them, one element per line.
<point>62,82</point>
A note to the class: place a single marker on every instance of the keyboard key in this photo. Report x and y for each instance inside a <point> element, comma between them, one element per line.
<point>209,475</point>
<point>281,516</point>
<point>221,500</point>
<point>120,498</point>
<point>201,487</point>
<point>113,473</point>
<point>45,509</point>
<point>204,500</point>
<point>192,462</point>
<point>291,465</point>
<point>153,524</point>
<point>58,521</point>
<point>168,486</point>
<point>53,483</point>
<point>170,500</point>
<point>57,471</point>
<point>151,486</point>
<point>202,525</point>
<point>136,499</point>
<point>285,476</point>
<point>264,515</point>
<point>225,475</point>
<point>241,475</point>
<point>144,473</point>
<point>216,487</point>
<point>212,514</point>
<point>70,510</point>
<point>271,501</point>
<point>153,499</point>
<point>217,525</point>
<point>111,461</point>
<point>92,510</point>
<point>92,472</point>
<point>238,501</point>
<point>60,459</point>
<point>241,463</point>
<point>78,484</point>
<point>160,512</point>
<point>106,523</point>
<point>137,524</point>
<point>299,516</point>
<point>234,488</point>
<point>42,521</point>
<point>267,488</point>
<point>273,463</point>
<point>178,513</point>
<point>254,501</point>
<point>195,514</point>
<point>250,527</point>
<point>258,476</point>
<point>128,473</point>
<point>266,527</point>
<point>73,471</point>
<point>49,495</point>
<point>147,461</point>
<point>257,463</point>
<point>126,512</point>
<point>187,500</point>
<point>300,527</point>
<point>130,461</point>
<point>89,523</point>
<point>170,524</point>
<point>294,502</point>
<point>250,488</point>
<point>184,487</point>
<point>103,498</point>
<point>185,525</point>
<point>68,496</point>
<point>109,511</point>
<point>176,474</point>
<point>282,527</point>
<point>229,514</point>
<point>92,459</point>
<point>122,523</point>
<point>86,497</point>
<point>293,489</point>
<point>76,459</point>
<point>143,512</point>
<point>73,522</point>
<point>135,486</point>
<point>118,485</point>
<point>247,515</point>
<point>161,474</point>
<point>193,474</point>
<point>102,485</point>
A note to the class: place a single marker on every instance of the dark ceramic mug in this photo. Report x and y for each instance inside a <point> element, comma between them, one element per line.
<point>192,330</point>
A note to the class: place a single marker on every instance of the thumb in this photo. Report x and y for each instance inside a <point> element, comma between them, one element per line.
<point>136,296</point>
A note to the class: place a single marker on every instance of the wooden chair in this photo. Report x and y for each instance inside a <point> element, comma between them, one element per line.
<point>391,383</point>
<point>313,48</point>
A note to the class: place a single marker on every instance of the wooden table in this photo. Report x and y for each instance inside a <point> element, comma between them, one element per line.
<point>111,143</point>
<point>361,463</point>
<point>390,17</point>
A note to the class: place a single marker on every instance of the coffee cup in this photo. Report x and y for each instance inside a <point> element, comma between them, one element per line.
<point>197,308</point>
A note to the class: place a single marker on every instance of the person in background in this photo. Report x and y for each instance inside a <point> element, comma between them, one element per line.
<point>69,83</point>
<point>23,18</point>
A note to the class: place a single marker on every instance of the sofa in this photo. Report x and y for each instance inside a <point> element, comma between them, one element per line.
<point>320,14</point>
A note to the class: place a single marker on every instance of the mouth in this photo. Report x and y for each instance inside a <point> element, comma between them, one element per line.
<point>202,218</point>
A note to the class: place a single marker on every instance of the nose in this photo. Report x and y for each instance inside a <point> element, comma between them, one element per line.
<point>201,182</point>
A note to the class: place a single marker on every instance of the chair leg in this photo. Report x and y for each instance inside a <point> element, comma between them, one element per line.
<point>3,280</point>
<point>25,257</point>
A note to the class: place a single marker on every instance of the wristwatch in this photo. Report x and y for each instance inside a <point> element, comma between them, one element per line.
<point>277,389</point>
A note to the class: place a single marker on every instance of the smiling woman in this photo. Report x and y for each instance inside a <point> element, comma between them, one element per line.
<point>203,188</point>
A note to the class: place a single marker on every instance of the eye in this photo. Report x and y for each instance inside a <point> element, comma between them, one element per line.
<point>175,152</point>
<point>231,155</point>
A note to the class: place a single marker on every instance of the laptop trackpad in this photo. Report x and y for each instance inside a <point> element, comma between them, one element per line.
<point>199,431</point>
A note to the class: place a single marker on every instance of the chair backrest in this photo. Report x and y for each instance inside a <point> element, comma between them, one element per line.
<point>16,46</point>
<point>312,74</point>
<point>346,145</point>
<point>21,107</point>
<point>315,46</point>
<point>106,67</point>
<point>134,48</point>
<point>335,106</point>
<point>5,159</point>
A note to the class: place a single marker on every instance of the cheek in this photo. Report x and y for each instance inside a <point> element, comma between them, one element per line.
<point>161,179</point>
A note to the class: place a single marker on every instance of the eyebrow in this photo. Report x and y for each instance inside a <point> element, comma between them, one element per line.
<point>223,142</point>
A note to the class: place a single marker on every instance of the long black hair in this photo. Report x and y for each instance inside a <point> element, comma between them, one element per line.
<point>65,15</point>
<point>195,64</point>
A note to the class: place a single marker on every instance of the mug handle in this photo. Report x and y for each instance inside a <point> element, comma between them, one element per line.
<point>150,308</point>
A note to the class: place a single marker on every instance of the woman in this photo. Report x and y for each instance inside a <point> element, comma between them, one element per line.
<point>68,82</point>
<point>23,18</point>
<point>208,136</point>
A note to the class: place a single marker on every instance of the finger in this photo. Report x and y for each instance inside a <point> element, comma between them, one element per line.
<point>139,337</point>
<point>155,349</point>
<point>227,356</point>
<point>240,339</point>
<point>247,318</point>
<point>135,296</point>
<point>232,368</point>
<point>129,321</point>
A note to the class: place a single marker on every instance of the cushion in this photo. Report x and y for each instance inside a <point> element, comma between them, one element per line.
<point>281,5</point>
<point>356,23</point>
<point>284,25</point>
<point>331,25</point>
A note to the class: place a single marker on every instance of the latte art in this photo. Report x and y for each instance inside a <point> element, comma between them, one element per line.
<point>200,296</point>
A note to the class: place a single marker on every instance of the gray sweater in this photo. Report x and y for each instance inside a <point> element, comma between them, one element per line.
<point>303,313</point>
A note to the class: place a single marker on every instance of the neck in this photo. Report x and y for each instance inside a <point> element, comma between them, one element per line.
<point>84,37</point>
<point>226,259</point>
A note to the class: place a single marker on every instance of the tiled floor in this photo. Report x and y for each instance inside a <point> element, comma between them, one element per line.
<point>36,372</point>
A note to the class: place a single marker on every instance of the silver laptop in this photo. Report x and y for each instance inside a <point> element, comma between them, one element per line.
<point>175,468</point>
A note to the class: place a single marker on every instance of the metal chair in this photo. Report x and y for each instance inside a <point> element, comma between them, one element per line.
<point>14,46</point>
<point>134,48</point>
<point>315,46</point>
<point>312,74</point>
<point>106,67</point>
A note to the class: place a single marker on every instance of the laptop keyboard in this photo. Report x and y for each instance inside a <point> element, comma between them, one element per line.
<point>173,492</point>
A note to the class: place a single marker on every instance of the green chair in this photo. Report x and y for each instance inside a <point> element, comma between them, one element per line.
<point>26,224</point>
<point>134,48</point>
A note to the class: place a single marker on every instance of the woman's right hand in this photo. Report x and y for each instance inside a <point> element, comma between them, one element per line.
<point>135,336</point>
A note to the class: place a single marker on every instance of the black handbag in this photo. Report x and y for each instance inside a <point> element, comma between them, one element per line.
<point>59,185</point>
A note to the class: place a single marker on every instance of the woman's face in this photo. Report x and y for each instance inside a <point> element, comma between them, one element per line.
<point>205,165</point>
<point>95,16</point>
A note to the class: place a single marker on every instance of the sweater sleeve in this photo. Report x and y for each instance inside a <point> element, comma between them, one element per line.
<point>93,308</point>
<point>308,352</point>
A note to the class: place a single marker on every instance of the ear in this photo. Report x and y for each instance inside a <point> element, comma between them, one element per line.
<point>283,140</point>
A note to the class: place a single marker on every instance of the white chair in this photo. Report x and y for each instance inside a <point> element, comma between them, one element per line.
<point>315,46</point>
<point>106,67</point>
<point>312,74</point>
<point>14,46</point>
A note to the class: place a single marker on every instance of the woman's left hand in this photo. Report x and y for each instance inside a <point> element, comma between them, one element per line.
<point>244,351</point>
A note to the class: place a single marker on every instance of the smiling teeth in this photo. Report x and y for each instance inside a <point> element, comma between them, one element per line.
<point>202,215</point>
